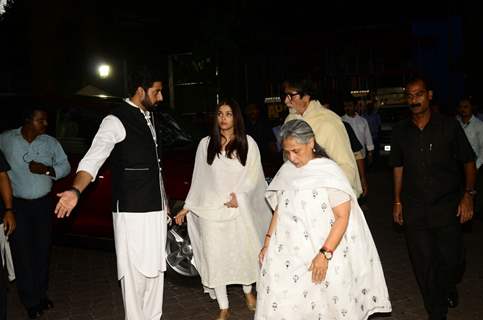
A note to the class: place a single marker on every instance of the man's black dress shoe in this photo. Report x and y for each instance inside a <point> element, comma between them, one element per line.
<point>46,304</point>
<point>34,312</point>
<point>453,299</point>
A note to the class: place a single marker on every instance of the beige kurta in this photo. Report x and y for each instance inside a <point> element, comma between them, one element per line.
<point>226,241</point>
<point>331,135</point>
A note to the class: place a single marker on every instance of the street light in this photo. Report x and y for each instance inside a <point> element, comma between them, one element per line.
<point>104,70</point>
<point>3,3</point>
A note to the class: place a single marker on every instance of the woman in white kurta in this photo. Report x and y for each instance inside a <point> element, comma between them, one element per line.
<point>228,214</point>
<point>319,260</point>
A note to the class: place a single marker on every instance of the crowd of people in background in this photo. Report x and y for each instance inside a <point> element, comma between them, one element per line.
<point>302,239</point>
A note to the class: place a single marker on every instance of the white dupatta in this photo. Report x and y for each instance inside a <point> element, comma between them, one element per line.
<point>208,192</point>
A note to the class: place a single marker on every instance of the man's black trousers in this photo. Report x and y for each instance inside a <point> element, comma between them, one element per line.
<point>436,255</point>
<point>30,244</point>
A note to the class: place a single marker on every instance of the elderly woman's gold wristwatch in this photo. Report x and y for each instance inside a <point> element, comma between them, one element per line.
<point>327,253</point>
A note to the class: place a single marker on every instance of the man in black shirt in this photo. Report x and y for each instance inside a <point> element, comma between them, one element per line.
<point>8,219</point>
<point>434,177</point>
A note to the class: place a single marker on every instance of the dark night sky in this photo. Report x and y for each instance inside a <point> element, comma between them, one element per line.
<point>66,38</point>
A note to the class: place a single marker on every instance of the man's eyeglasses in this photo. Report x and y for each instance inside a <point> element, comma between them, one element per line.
<point>417,95</point>
<point>289,95</point>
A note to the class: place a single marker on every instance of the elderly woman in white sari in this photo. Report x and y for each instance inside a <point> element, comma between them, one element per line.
<point>226,210</point>
<point>319,260</point>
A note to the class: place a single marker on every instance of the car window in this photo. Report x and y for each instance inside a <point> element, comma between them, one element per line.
<point>170,132</point>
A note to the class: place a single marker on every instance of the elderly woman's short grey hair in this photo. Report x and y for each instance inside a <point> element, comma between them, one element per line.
<point>302,132</point>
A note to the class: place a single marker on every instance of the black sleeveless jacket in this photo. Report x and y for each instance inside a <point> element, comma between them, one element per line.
<point>135,165</point>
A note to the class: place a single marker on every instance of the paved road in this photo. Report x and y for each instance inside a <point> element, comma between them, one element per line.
<point>83,282</point>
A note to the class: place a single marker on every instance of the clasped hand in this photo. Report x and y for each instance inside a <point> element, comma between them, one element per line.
<point>180,216</point>
<point>37,167</point>
<point>233,203</point>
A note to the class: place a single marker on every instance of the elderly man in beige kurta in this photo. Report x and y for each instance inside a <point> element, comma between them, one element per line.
<point>329,130</point>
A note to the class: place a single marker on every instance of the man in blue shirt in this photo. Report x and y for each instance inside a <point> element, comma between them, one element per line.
<point>36,160</point>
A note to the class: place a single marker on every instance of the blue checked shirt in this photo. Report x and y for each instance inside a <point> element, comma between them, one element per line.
<point>19,152</point>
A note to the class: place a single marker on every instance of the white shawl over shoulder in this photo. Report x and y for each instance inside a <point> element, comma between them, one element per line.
<point>209,191</point>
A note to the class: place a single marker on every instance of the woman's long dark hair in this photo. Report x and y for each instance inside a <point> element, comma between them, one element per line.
<point>237,147</point>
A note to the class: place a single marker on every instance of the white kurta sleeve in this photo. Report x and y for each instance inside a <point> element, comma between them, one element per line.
<point>337,197</point>
<point>479,148</point>
<point>367,135</point>
<point>200,158</point>
<point>111,131</point>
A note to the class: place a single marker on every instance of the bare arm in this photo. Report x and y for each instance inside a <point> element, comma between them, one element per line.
<point>69,198</point>
<point>465,207</point>
<point>320,263</point>
<point>397,206</point>
<point>6,194</point>
<point>341,215</point>
<point>5,190</point>
<point>361,166</point>
<point>268,235</point>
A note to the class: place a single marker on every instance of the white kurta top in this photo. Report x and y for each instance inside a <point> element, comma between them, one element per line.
<point>354,286</point>
<point>226,241</point>
<point>474,132</point>
<point>140,238</point>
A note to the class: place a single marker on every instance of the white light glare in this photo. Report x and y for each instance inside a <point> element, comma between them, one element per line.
<point>3,3</point>
<point>104,70</point>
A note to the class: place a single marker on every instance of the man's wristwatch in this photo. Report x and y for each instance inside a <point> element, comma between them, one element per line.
<point>76,191</point>
<point>471,192</point>
<point>326,253</point>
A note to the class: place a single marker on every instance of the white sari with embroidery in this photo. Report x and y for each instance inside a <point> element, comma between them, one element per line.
<point>354,287</point>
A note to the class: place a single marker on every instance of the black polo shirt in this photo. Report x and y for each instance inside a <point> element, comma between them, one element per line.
<point>3,168</point>
<point>432,159</point>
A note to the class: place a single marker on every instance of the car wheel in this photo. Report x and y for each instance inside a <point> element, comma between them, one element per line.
<point>179,253</point>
